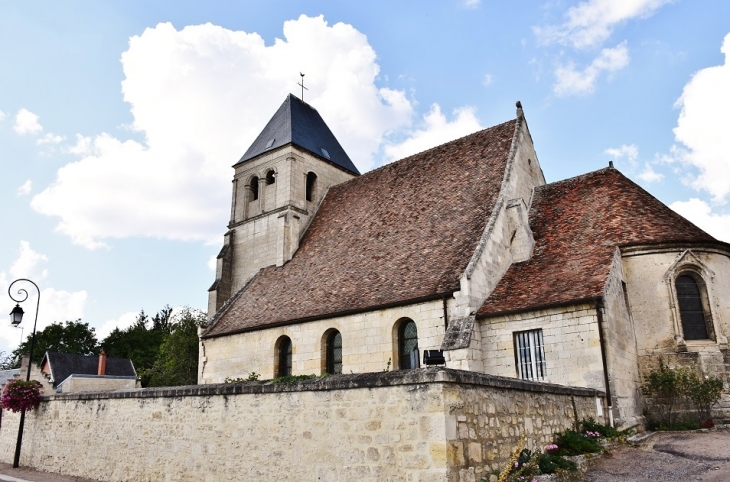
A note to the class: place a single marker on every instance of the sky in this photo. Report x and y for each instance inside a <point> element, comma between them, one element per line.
<point>120,121</point>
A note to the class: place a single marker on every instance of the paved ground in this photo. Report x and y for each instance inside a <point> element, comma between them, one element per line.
<point>668,456</point>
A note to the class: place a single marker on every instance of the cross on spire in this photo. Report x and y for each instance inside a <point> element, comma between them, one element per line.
<point>302,86</point>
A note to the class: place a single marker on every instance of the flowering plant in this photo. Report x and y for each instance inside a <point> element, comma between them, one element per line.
<point>19,395</point>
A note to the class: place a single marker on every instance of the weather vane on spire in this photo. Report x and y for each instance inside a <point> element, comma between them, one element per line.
<point>302,86</point>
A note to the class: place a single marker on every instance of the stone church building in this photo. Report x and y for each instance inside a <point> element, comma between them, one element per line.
<point>464,249</point>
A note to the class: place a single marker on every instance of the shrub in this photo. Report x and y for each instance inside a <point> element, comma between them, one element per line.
<point>670,391</point>
<point>571,442</point>
<point>704,394</point>
<point>19,395</point>
<point>605,431</point>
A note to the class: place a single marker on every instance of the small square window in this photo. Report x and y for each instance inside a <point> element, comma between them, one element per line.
<point>530,355</point>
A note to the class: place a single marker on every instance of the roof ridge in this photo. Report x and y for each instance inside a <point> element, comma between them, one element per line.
<point>372,172</point>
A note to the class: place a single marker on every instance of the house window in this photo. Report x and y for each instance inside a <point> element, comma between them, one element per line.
<point>530,355</point>
<point>408,353</point>
<point>283,357</point>
<point>254,188</point>
<point>691,309</point>
<point>311,184</point>
<point>334,353</point>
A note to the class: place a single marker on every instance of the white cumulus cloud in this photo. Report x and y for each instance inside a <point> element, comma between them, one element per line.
<point>592,22</point>
<point>627,151</point>
<point>201,95</point>
<point>25,188</point>
<point>50,138</point>
<point>55,305</point>
<point>26,122</point>
<point>124,321</point>
<point>3,115</point>
<point>649,174</point>
<point>570,80</point>
<point>471,3</point>
<point>435,131</point>
<point>700,213</point>
<point>702,127</point>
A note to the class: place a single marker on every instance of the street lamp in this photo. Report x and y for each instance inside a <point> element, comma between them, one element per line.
<point>16,316</point>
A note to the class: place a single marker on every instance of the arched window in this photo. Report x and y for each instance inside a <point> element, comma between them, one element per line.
<point>254,188</point>
<point>408,353</point>
<point>691,309</point>
<point>333,354</point>
<point>311,184</point>
<point>270,177</point>
<point>283,357</point>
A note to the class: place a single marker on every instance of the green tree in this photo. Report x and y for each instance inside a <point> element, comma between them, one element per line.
<point>177,360</point>
<point>68,337</point>
<point>141,341</point>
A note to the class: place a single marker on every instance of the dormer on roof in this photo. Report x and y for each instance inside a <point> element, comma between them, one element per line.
<point>298,123</point>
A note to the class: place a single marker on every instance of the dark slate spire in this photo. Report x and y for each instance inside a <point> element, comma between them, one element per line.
<point>299,123</point>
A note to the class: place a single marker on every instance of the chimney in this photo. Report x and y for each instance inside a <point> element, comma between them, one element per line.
<point>102,363</point>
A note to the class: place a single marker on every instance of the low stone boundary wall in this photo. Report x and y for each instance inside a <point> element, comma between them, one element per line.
<point>430,424</point>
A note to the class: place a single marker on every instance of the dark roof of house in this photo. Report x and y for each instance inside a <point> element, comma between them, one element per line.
<point>403,232</point>
<point>299,123</point>
<point>7,375</point>
<point>64,365</point>
<point>577,225</point>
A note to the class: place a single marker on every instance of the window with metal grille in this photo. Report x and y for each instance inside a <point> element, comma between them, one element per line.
<point>530,355</point>
<point>691,310</point>
<point>284,357</point>
<point>408,345</point>
<point>334,353</point>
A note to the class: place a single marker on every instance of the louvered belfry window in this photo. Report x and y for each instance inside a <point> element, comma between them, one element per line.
<point>530,355</point>
<point>691,310</point>
<point>334,353</point>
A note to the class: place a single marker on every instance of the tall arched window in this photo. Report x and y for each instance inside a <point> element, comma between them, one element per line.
<point>254,188</point>
<point>283,357</point>
<point>691,309</point>
<point>311,184</point>
<point>408,353</point>
<point>333,354</point>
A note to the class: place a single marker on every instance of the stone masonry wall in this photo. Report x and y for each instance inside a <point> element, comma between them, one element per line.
<point>419,425</point>
<point>259,242</point>
<point>495,253</point>
<point>570,336</point>
<point>621,358</point>
<point>649,274</point>
<point>368,342</point>
<point>489,423</point>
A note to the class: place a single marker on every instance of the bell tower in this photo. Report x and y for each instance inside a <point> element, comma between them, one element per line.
<point>277,187</point>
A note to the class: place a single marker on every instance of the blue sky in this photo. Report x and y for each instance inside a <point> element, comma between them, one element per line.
<point>120,120</point>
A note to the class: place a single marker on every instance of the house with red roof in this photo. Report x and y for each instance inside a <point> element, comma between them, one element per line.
<point>460,255</point>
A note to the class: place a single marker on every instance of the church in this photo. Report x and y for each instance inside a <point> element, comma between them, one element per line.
<point>460,255</point>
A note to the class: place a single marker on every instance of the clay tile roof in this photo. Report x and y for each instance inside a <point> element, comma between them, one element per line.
<point>403,232</point>
<point>577,225</point>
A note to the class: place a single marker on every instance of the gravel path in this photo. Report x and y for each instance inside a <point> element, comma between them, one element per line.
<point>668,456</point>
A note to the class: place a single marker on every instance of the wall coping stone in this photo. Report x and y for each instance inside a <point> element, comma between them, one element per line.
<point>429,375</point>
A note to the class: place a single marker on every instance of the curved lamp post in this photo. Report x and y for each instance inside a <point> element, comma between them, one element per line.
<point>16,316</point>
